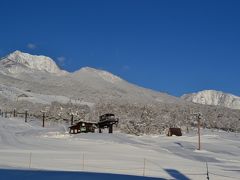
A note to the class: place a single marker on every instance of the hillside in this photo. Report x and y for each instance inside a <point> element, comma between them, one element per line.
<point>36,83</point>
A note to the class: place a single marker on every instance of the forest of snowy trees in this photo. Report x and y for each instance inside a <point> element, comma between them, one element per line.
<point>138,118</point>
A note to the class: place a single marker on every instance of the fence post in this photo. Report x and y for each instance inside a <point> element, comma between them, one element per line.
<point>26,114</point>
<point>144,166</point>
<point>30,160</point>
<point>43,118</point>
<point>207,171</point>
<point>14,112</point>
<point>83,162</point>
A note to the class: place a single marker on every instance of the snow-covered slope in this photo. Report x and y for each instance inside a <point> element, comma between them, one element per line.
<point>212,97</point>
<point>87,71</point>
<point>29,145</point>
<point>15,94</point>
<point>18,62</point>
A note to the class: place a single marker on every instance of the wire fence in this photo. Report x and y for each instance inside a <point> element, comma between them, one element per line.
<point>67,161</point>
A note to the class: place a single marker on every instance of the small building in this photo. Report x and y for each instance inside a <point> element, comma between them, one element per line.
<point>82,127</point>
<point>174,131</point>
<point>105,121</point>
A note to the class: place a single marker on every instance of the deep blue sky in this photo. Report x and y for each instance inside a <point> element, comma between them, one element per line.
<point>170,46</point>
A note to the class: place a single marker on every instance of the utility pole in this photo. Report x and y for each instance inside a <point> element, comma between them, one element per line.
<point>199,117</point>
<point>199,134</point>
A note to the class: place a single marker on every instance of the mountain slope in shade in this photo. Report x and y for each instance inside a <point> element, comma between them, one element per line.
<point>212,97</point>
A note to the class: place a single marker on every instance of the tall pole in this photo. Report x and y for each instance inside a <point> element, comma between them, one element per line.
<point>199,134</point>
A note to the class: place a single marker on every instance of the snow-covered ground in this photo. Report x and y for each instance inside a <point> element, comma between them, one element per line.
<point>28,145</point>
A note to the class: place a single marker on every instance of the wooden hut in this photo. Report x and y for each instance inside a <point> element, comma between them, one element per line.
<point>174,131</point>
<point>82,127</point>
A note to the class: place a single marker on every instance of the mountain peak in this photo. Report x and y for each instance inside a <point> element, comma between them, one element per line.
<point>213,97</point>
<point>107,76</point>
<point>19,61</point>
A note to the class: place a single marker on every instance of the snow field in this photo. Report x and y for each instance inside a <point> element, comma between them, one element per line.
<point>28,145</point>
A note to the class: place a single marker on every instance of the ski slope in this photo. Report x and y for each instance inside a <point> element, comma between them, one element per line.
<point>29,146</point>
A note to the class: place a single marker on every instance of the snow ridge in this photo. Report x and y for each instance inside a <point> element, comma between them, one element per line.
<point>212,97</point>
<point>100,73</point>
<point>18,62</point>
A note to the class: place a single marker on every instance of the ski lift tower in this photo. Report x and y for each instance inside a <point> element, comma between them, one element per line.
<point>198,117</point>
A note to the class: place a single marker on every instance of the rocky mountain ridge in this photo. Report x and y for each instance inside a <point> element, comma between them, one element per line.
<point>212,97</point>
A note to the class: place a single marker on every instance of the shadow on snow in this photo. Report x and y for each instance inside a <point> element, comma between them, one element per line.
<point>63,175</point>
<point>176,174</point>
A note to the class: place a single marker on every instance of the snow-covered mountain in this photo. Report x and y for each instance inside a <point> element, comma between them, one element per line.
<point>212,97</point>
<point>36,83</point>
<point>18,62</point>
<point>41,75</point>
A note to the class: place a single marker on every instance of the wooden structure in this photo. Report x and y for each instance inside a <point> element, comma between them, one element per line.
<point>107,121</point>
<point>82,127</point>
<point>174,131</point>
